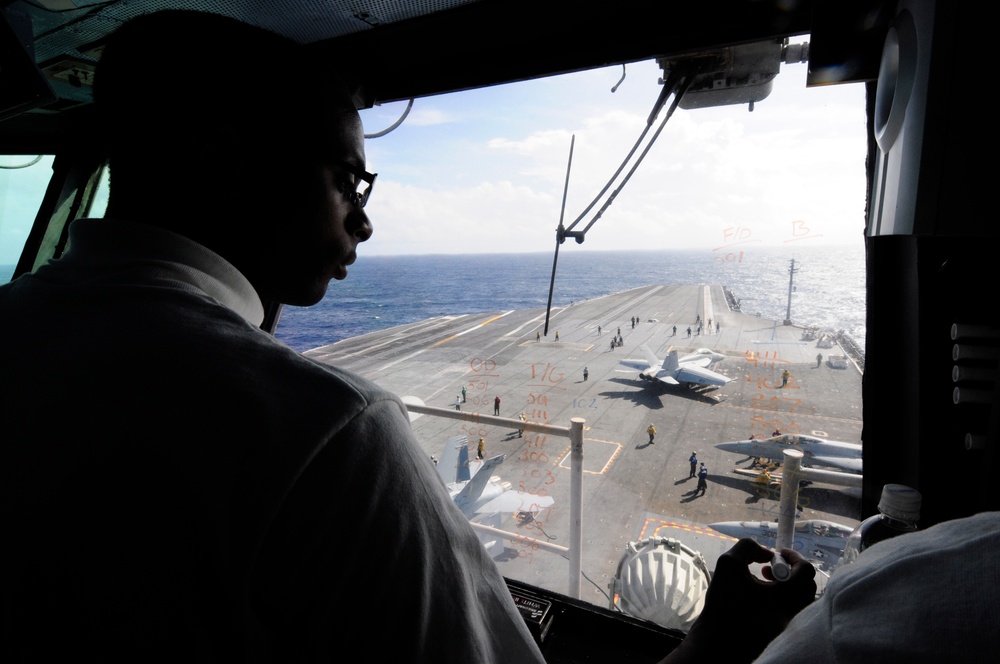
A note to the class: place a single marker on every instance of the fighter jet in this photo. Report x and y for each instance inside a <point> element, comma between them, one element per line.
<point>476,490</point>
<point>691,370</point>
<point>816,539</point>
<point>818,452</point>
<point>700,353</point>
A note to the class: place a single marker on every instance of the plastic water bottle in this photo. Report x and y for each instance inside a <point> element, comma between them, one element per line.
<point>899,511</point>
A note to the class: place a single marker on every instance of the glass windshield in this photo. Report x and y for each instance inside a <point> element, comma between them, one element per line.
<point>23,179</point>
<point>23,182</point>
<point>735,249</point>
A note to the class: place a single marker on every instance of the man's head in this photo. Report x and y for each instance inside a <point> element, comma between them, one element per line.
<point>238,139</point>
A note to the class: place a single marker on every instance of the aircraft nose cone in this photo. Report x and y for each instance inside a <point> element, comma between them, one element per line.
<point>731,528</point>
<point>730,447</point>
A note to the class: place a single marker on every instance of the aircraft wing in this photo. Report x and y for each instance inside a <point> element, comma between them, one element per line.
<point>517,501</point>
<point>838,463</point>
<point>703,353</point>
<point>689,373</point>
<point>695,360</point>
<point>641,365</point>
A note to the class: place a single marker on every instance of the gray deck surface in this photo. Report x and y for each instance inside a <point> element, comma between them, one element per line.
<point>631,489</point>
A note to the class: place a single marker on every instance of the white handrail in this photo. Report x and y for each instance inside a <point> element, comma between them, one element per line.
<point>575,434</point>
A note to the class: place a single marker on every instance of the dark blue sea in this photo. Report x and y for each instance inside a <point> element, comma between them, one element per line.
<point>385,291</point>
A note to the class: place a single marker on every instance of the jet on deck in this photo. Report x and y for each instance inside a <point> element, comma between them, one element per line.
<point>476,490</point>
<point>819,452</point>
<point>691,370</point>
<point>818,540</point>
<point>630,490</point>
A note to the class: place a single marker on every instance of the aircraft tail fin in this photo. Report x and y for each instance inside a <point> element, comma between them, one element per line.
<point>670,363</point>
<point>474,488</point>
<point>649,355</point>
<point>453,466</point>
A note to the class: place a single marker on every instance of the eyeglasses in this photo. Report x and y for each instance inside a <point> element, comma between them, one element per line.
<point>357,198</point>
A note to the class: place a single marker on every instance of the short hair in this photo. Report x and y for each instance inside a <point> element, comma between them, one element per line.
<point>185,78</point>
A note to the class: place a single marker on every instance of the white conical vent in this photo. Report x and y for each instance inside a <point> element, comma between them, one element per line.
<point>661,580</point>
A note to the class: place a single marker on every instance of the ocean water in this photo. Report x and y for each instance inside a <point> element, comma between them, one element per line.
<point>385,291</point>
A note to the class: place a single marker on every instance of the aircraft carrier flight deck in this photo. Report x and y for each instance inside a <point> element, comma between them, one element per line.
<point>631,489</point>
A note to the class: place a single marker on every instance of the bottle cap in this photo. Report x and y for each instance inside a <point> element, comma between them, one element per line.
<point>900,502</point>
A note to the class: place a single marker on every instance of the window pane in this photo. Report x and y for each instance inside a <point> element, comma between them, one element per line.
<point>23,180</point>
<point>741,231</point>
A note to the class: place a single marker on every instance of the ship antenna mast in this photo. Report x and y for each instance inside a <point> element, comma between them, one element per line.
<point>677,83</point>
<point>559,234</point>
<point>791,275</point>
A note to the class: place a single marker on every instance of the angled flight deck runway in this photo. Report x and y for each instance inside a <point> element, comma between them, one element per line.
<point>631,489</point>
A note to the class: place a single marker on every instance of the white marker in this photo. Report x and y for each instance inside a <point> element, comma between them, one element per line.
<point>780,569</point>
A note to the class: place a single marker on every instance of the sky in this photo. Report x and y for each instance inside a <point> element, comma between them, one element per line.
<point>484,171</point>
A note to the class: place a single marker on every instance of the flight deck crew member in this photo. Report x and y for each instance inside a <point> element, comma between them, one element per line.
<point>694,464</point>
<point>819,360</point>
<point>228,530</point>
<point>463,394</point>
<point>651,430</point>
<point>784,377</point>
<point>520,432</point>
<point>496,405</point>
<point>481,448</point>
<point>585,374</point>
<point>458,403</point>
<point>702,480</point>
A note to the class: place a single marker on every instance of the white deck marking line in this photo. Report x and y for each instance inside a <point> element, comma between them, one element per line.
<point>526,323</point>
<point>407,329</point>
<point>438,343</point>
<point>473,328</point>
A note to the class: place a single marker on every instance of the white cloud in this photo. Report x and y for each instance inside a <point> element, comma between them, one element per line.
<point>485,170</point>
<point>426,117</point>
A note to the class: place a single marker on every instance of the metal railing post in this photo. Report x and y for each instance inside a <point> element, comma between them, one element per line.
<point>576,506</point>
<point>790,477</point>
<point>575,434</point>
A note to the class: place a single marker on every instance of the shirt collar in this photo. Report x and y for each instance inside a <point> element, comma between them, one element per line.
<point>160,253</point>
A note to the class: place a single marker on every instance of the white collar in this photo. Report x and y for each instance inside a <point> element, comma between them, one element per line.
<point>162,253</point>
